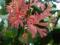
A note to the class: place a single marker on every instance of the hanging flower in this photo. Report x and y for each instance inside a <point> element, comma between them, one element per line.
<point>18,13</point>
<point>35,19</point>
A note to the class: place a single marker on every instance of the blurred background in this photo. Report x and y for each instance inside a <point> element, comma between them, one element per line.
<point>7,36</point>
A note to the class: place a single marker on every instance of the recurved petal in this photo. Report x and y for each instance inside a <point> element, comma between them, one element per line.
<point>42,32</point>
<point>33,30</point>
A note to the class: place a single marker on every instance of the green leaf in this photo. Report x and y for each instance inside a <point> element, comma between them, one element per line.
<point>7,1</point>
<point>54,6</point>
<point>3,11</point>
<point>53,11</point>
<point>6,41</point>
<point>36,9</point>
<point>1,26</point>
<point>37,39</point>
<point>10,33</point>
<point>20,30</point>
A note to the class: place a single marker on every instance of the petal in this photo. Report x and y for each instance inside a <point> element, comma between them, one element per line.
<point>33,30</point>
<point>42,32</point>
<point>43,24</point>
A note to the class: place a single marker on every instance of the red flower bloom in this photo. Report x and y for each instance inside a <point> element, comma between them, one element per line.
<point>18,11</point>
<point>35,19</point>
